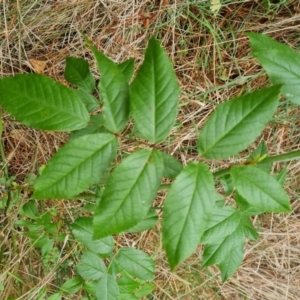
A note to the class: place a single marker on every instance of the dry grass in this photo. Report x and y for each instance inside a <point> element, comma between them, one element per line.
<point>212,62</point>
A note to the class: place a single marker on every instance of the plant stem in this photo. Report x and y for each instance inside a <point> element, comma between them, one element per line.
<point>271,159</point>
<point>6,173</point>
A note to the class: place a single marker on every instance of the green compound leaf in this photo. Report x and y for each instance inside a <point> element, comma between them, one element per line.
<point>82,230</point>
<point>154,95</point>
<point>136,263</point>
<point>78,73</point>
<point>114,92</point>
<point>147,223</point>
<point>90,266</point>
<point>172,167</point>
<point>127,68</point>
<point>260,189</point>
<point>65,175</point>
<point>237,123</point>
<point>129,191</point>
<point>71,286</point>
<point>107,288</point>
<point>42,103</point>
<point>280,62</point>
<point>188,206</point>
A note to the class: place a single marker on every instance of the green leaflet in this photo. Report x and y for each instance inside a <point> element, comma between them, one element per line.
<point>127,68</point>
<point>55,296</point>
<point>127,287</point>
<point>223,222</point>
<point>90,266</point>
<point>237,123</point>
<point>260,189</point>
<point>90,102</point>
<point>82,230</point>
<point>136,263</point>
<point>224,239</point>
<point>147,223</point>
<point>280,62</point>
<point>42,103</point>
<point>95,126</point>
<point>154,95</point>
<point>231,262</point>
<point>107,288</point>
<point>172,167</point>
<point>65,175</point>
<point>218,252</point>
<point>129,191</point>
<point>77,72</point>
<point>71,286</point>
<point>188,206</point>
<point>114,92</point>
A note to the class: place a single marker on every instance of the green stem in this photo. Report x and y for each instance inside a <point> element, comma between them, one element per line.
<point>271,159</point>
<point>6,173</point>
<point>281,157</point>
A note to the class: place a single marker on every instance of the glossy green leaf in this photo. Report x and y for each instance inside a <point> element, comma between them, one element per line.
<point>72,285</point>
<point>147,223</point>
<point>232,262</point>
<point>127,68</point>
<point>65,175</point>
<point>129,192</point>
<point>260,189</point>
<point>280,62</point>
<point>172,166</point>
<point>107,288</point>
<point>42,103</point>
<point>237,123</point>
<point>82,230</point>
<point>90,102</point>
<point>136,263</point>
<point>154,95</point>
<point>218,251</point>
<point>77,72</point>
<point>90,266</point>
<point>114,92</point>
<point>222,223</point>
<point>187,209</point>
<point>95,126</point>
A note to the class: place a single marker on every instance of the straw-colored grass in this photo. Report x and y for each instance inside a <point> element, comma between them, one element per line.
<point>211,58</point>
